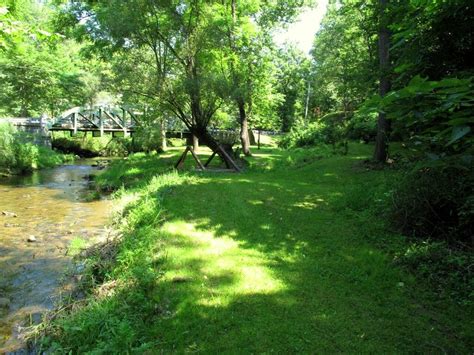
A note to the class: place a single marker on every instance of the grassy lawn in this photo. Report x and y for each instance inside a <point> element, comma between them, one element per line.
<point>289,256</point>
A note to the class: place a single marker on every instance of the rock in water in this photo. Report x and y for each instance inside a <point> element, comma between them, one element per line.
<point>31,239</point>
<point>9,214</point>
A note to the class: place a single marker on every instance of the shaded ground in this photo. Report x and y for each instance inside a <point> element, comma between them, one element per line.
<point>287,257</point>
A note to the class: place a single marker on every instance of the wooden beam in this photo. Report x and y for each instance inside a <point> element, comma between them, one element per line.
<point>101,123</point>
<point>114,119</point>
<point>197,159</point>
<point>182,158</point>
<point>227,158</point>
<point>88,119</point>
<point>210,159</point>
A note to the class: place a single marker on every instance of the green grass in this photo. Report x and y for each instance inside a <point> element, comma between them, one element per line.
<point>290,256</point>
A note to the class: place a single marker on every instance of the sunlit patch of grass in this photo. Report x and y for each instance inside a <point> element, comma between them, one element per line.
<point>208,257</point>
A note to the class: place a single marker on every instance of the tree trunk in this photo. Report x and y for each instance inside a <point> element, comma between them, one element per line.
<point>243,120</point>
<point>383,123</point>
<point>163,134</point>
<point>196,116</point>
<point>244,129</point>
<point>207,139</point>
<point>252,139</point>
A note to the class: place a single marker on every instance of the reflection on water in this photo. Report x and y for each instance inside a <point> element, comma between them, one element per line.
<point>47,206</point>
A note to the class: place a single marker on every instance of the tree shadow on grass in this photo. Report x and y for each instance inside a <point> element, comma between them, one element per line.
<point>322,261</point>
<point>252,263</point>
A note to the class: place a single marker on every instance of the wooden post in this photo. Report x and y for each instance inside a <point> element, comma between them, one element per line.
<point>228,160</point>
<point>181,160</point>
<point>101,123</point>
<point>74,123</point>
<point>197,159</point>
<point>124,122</point>
<point>210,159</point>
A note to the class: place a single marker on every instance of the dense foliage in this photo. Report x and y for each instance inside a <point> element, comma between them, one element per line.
<point>40,71</point>
<point>19,154</point>
<point>429,107</point>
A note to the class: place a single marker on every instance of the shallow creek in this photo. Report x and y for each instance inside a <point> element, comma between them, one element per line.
<point>40,215</point>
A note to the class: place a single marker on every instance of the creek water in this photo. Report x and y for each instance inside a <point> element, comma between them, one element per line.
<point>40,216</point>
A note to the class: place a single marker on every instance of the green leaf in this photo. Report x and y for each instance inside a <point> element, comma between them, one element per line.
<point>432,156</point>
<point>458,133</point>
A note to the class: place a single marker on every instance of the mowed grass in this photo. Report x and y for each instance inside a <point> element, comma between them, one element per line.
<point>290,256</point>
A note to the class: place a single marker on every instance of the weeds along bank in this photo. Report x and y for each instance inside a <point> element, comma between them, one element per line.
<point>289,256</point>
<point>18,155</point>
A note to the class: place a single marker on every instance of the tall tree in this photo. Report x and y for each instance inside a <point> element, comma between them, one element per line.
<point>177,40</point>
<point>293,69</point>
<point>185,41</point>
<point>236,75</point>
<point>383,123</point>
<point>40,72</point>
<point>345,58</point>
<point>249,25</point>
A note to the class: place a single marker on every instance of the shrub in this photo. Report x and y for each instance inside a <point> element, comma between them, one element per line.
<point>315,134</point>
<point>436,202</point>
<point>73,146</point>
<point>26,155</point>
<point>336,118</point>
<point>118,147</point>
<point>7,141</point>
<point>431,116</point>
<point>19,155</point>
<point>448,270</point>
<point>16,154</point>
<point>363,127</point>
<point>147,139</point>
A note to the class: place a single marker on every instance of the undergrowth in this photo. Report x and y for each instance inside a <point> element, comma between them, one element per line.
<point>18,155</point>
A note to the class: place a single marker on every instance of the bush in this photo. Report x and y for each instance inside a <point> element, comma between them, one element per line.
<point>7,141</point>
<point>118,147</point>
<point>436,202</point>
<point>19,155</point>
<point>363,127</point>
<point>336,118</point>
<point>448,270</point>
<point>145,139</point>
<point>73,146</point>
<point>315,134</point>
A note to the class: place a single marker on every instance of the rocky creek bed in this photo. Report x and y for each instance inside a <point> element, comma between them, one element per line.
<point>42,216</point>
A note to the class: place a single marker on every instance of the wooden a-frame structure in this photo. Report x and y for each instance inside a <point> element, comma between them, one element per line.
<point>230,163</point>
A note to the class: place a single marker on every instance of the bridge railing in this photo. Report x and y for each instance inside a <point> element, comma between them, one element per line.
<point>96,119</point>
